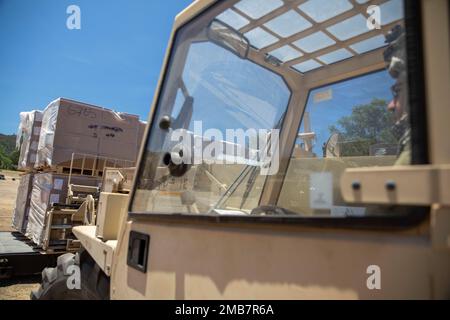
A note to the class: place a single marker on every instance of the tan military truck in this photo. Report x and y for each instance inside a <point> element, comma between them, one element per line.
<point>344,194</point>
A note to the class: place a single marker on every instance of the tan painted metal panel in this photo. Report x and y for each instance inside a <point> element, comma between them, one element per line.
<point>437,72</point>
<point>212,262</point>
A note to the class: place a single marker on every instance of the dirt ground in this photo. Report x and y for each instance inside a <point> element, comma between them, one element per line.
<point>18,288</point>
<point>8,191</point>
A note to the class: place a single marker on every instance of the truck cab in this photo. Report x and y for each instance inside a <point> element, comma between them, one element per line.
<point>294,150</point>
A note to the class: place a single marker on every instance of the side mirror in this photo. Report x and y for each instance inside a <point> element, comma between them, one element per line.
<point>228,38</point>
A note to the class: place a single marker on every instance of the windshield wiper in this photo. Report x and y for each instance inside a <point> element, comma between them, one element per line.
<point>250,183</point>
<point>253,175</point>
<point>232,188</point>
<point>248,169</point>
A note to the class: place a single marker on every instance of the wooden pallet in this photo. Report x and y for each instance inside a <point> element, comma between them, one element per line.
<point>79,171</point>
<point>84,164</point>
<point>70,245</point>
<point>68,170</point>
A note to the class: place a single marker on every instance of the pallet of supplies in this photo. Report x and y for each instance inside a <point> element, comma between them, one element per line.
<point>49,189</point>
<point>74,128</point>
<point>28,138</point>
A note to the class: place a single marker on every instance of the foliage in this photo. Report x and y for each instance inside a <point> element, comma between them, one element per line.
<point>9,156</point>
<point>367,125</point>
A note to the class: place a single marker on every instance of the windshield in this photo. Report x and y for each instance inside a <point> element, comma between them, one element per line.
<point>220,109</point>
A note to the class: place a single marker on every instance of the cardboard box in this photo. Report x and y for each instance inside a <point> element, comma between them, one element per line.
<point>70,127</point>
<point>28,138</point>
<point>22,207</point>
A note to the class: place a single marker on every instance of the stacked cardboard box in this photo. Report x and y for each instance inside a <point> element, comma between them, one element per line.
<point>68,134</point>
<point>22,207</point>
<point>27,143</point>
<point>70,127</point>
<point>28,138</point>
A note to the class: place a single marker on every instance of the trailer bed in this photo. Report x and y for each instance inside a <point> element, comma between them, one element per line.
<point>20,257</point>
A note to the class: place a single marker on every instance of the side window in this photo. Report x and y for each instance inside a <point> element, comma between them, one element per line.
<point>359,122</point>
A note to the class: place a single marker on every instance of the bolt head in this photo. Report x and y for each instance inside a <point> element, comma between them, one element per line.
<point>165,122</point>
<point>390,185</point>
<point>356,185</point>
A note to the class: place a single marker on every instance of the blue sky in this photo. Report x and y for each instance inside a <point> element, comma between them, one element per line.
<point>114,60</point>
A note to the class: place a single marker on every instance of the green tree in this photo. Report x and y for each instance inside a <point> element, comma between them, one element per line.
<point>5,161</point>
<point>367,125</point>
<point>14,156</point>
<point>9,156</point>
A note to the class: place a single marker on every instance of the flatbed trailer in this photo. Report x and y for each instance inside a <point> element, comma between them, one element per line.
<point>20,257</point>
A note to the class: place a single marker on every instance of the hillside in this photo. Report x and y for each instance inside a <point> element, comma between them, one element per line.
<point>8,154</point>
